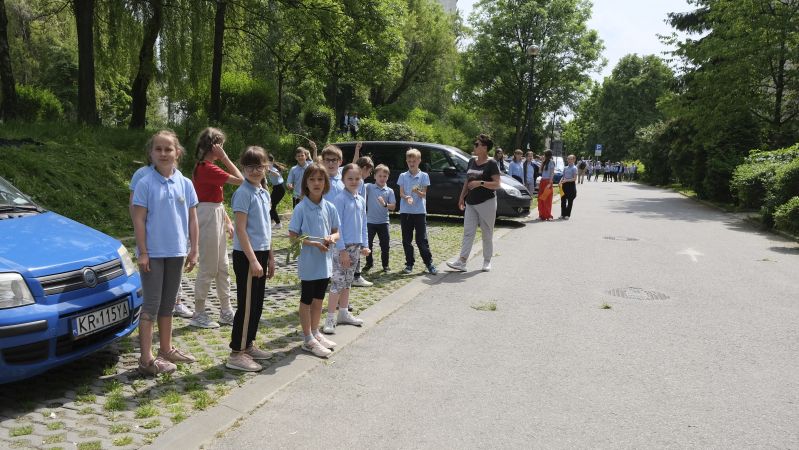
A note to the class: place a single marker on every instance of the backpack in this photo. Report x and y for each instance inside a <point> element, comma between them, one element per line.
<point>581,166</point>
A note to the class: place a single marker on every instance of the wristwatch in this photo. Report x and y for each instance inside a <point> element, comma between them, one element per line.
<point>482,183</point>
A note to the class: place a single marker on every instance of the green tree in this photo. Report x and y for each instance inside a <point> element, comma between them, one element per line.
<point>628,101</point>
<point>8,88</point>
<point>497,70</point>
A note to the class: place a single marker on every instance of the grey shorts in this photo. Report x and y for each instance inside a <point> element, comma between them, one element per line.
<point>342,278</point>
<point>160,286</point>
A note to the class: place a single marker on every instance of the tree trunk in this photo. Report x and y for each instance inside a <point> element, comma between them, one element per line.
<point>215,112</point>
<point>8,89</point>
<point>152,27</point>
<point>87,98</point>
<point>280,77</point>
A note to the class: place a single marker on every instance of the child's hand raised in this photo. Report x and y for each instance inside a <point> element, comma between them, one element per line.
<point>365,251</point>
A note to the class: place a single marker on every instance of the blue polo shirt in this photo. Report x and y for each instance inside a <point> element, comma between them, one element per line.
<point>336,186</point>
<point>407,182</point>
<point>138,175</point>
<point>570,173</point>
<point>375,212</point>
<point>295,178</point>
<point>167,201</point>
<point>274,176</point>
<point>548,171</point>
<point>352,217</point>
<point>516,169</point>
<point>315,220</point>
<point>255,202</point>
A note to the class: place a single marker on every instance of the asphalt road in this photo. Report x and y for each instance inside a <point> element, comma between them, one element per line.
<point>705,353</point>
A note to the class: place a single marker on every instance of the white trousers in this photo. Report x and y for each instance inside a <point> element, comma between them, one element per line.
<point>213,263</point>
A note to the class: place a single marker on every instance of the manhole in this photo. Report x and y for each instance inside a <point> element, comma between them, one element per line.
<point>620,238</point>
<point>635,293</point>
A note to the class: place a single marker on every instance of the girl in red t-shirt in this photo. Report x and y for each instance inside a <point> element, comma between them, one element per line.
<point>214,223</point>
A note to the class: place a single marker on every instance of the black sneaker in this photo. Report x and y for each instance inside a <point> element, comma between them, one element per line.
<point>407,270</point>
<point>385,269</point>
<point>366,268</point>
<point>432,269</point>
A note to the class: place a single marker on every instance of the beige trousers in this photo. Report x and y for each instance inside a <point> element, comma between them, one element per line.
<point>213,263</point>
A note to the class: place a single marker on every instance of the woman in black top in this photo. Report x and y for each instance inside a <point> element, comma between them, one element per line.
<point>478,201</point>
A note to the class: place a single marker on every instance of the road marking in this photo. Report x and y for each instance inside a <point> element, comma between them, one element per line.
<point>692,253</point>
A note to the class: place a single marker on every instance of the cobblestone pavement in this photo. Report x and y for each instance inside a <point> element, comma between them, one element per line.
<point>103,402</point>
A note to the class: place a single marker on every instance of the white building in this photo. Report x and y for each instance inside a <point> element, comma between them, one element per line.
<point>449,5</point>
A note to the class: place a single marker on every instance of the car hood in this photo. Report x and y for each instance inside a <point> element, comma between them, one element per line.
<point>507,179</point>
<point>44,244</point>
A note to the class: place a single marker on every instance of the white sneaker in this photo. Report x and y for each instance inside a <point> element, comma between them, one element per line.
<point>316,348</point>
<point>486,266</point>
<point>330,326</point>
<point>346,318</point>
<point>201,320</point>
<point>361,282</point>
<point>182,310</point>
<point>277,226</point>
<point>226,317</point>
<point>326,343</point>
<point>458,265</point>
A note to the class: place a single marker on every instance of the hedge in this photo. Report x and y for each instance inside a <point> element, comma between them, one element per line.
<point>35,104</point>
<point>750,182</point>
<point>786,217</point>
<point>784,188</point>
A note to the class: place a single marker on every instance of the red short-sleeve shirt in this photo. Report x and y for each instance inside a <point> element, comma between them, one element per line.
<point>208,181</point>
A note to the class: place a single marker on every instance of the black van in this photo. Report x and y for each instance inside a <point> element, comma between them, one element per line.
<point>447,169</point>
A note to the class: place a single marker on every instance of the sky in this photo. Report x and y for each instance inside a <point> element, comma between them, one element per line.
<point>625,26</point>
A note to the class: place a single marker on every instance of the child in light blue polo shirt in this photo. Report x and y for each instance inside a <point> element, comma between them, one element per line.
<point>379,201</point>
<point>294,179</point>
<point>317,219</point>
<point>164,214</point>
<point>253,260</point>
<point>331,158</point>
<point>413,186</point>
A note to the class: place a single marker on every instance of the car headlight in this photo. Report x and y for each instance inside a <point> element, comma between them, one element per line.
<point>13,291</point>
<point>127,262</point>
<point>510,190</point>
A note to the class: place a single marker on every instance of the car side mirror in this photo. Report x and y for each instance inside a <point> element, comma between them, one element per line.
<point>451,171</point>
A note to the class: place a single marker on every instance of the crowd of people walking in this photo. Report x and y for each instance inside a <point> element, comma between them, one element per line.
<point>181,224</point>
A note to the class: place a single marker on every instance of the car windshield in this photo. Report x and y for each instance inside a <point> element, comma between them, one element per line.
<point>460,158</point>
<point>11,197</point>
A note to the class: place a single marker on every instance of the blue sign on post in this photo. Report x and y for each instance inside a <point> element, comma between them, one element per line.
<point>598,150</point>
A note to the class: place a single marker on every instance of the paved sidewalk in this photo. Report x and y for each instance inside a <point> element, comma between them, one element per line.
<point>647,320</point>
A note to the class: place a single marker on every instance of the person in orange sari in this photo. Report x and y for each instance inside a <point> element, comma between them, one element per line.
<point>545,188</point>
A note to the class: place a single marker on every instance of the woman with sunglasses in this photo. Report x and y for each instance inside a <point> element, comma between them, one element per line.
<point>478,201</point>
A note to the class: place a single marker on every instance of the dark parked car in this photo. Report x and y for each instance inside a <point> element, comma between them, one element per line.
<point>446,166</point>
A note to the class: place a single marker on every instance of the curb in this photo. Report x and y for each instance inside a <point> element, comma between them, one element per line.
<point>201,429</point>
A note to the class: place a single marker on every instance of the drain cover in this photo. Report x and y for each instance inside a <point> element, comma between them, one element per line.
<point>620,238</point>
<point>635,293</point>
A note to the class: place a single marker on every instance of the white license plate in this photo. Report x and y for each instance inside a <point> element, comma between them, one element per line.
<point>102,318</point>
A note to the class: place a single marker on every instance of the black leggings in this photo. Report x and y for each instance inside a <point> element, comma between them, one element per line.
<point>567,199</point>
<point>277,195</point>
<point>381,230</point>
<point>250,293</point>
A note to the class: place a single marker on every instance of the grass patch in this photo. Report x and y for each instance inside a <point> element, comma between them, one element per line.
<point>21,431</point>
<point>202,400</point>
<point>152,424</point>
<point>112,386</point>
<point>485,306</point>
<point>178,417</point>
<point>84,394</point>
<point>93,445</point>
<point>145,411</point>
<point>52,426</point>
<point>86,411</point>
<point>171,397</point>
<point>118,429</point>
<point>605,305</point>
<point>54,439</point>
<point>214,373</point>
<point>123,441</point>
<point>115,402</point>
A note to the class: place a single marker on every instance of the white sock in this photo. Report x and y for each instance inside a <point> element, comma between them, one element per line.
<point>331,315</point>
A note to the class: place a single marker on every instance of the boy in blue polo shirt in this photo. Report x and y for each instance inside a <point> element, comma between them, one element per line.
<point>294,179</point>
<point>332,158</point>
<point>379,201</point>
<point>413,186</point>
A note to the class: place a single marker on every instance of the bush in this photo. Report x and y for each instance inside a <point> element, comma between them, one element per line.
<point>783,189</point>
<point>372,130</point>
<point>36,104</point>
<point>319,123</point>
<point>786,217</point>
<point>715,181</point>
<point>750,182</point>
<point>248,97</point>
<point>782,155</point>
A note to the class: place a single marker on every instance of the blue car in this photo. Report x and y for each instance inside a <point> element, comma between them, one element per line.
<point>66,290</point>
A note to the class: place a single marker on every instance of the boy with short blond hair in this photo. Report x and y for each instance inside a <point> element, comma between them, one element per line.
<point>413,186</point>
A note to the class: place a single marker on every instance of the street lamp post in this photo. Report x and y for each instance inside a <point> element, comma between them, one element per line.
<point>532,51</point>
